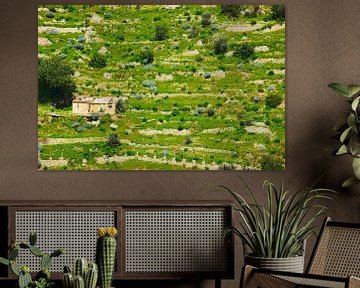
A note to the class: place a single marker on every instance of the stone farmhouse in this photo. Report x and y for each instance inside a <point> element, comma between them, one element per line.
<point>87,105</point>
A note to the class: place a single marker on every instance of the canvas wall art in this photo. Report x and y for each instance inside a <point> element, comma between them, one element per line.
<point>161,87</point>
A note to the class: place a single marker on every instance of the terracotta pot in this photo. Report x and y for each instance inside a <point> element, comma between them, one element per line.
<point>291,264</point>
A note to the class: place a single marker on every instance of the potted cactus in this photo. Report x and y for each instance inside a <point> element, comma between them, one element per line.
<point>106,254</point>
<point>42,278</point>
<point>84,275</point>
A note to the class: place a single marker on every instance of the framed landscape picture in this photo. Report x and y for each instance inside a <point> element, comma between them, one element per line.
<point>161,87</point>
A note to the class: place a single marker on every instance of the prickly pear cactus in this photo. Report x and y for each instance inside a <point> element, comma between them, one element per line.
<point>45,261</point>
<point>24,277</point>
<point>23,273</point>
<point>106,254</point>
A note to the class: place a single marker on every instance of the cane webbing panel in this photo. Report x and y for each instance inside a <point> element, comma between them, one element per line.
<point>74,231</point>
<point>175,241</point>
<point>338,252</point>
<point>313,282</point>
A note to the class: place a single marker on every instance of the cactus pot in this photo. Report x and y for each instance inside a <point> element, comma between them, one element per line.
<point>291,264</point>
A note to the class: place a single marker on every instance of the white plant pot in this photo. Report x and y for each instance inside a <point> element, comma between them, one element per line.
<point>291,264</point>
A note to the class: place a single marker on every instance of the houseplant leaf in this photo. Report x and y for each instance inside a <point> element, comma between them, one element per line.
<point>345,90</point>
<point>342,150</point>
<point>356,167</point>
<point>349,182</point>
<point>355,103</point>
<point>345,134</point>
<point>340,88</point>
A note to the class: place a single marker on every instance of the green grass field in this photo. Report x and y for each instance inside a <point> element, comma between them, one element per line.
<point>209,111</point>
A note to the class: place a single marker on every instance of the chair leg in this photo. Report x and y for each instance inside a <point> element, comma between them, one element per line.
<point>251,279</point>
<point>246,274</point>
<point>354,282</point>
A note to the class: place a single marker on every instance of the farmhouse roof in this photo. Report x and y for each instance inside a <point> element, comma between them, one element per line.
<point>94,100</point>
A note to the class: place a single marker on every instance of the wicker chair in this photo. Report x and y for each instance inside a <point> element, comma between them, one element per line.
<point>335,262</point>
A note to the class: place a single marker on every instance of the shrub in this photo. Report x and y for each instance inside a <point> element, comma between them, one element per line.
<point>206,19</point>
<point>81,39</point>
<point>268,162</point>
<point>97,61</point>
<point>146,56</point>
<point>226,166</point>
<point>161,33</point>
<point>113,140</point>
<point>232,11</point>
<point>79,46</point>
<point>220,46</point>
<point>244,51</point>
<point>120,106</point>
<point>55,82</point>
<point>207,75</point>
<point>210,111</point>
<point>273,100</point>
<point>278,13</point>
<point>194,32</point>
<point>149,83</point>
<point>50,14</point>
<point>188,140</point>
<point>94,116</point>
<point>107,15</point>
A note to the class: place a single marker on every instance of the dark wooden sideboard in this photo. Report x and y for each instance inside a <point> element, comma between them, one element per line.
<point>157,240</point>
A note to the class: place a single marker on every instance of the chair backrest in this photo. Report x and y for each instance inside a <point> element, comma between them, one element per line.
<point>337,251</point>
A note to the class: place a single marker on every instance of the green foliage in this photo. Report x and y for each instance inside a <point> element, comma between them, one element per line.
<point>97,61</point>
<point>206,19</point>
<point>194,32</point>
<point>195,79</point>
<point>270,163</point>
<point>113,140</point>
<point>42,278</point>
<point>161,33</point>
<point>273,100</point>
<point>220,46</point>
<point>244,51</point>
<point>278,13</point>
<point>349,131</point>
<point>120,106</point>
<point>278,229</point>
<point>231,11</point>
<point>55,82</point>
<point>146,56</point>
<point>50,14</point>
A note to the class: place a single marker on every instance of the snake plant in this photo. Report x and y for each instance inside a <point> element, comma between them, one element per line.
<point>279,228</point>
<point>349,131</point>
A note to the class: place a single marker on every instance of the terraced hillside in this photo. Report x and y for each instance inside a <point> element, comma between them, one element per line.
<point>198,89</point>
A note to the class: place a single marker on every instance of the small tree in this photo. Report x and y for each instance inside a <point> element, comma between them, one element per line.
<point>113,140</point>
<point>97,61</point>
<point>161,33</point>
<point>206,19</point>
<point>278,13</point>
<point>244,51</point>
<point>146,56</point>
<point>55,83</point>
<point>120,106</point>
<point>220,46</point>
<point>231,11</point>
